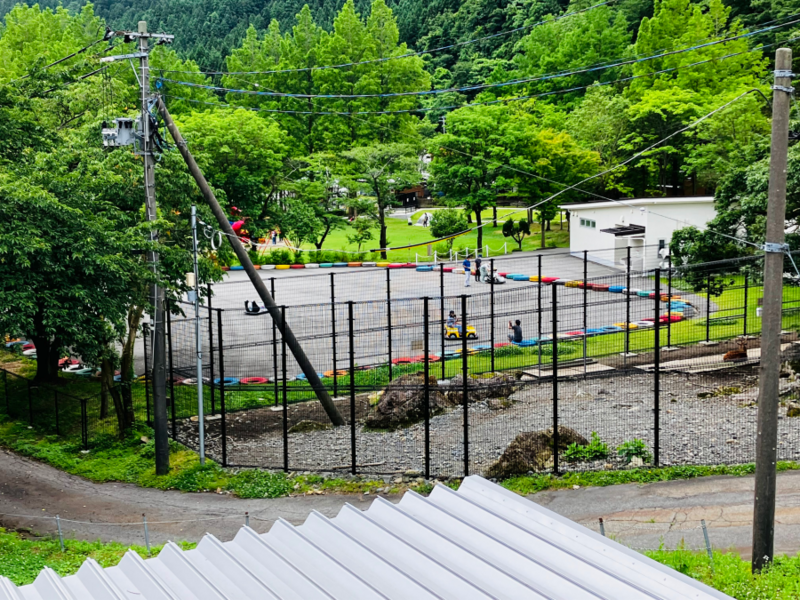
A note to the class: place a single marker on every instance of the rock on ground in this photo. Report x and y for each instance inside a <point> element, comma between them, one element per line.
<point>403,403</point>
<point>531,451</point>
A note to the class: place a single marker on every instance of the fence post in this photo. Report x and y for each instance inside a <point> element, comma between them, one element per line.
<point>352,388</point>
<point>464,380</point>
<point>223,419</point>
<point>146,534</point>
<point>708,308</point>
<point>585,312</point>
<point>333,335</point>
<point>30,403</point>
<point>171,374</point>
<point>84,425</point>
<point>627,307</point>
<point>554,310</point>
<point>746,287</point>
<point>539,312</point>
<point>657,371</point>
<point>426,350</point>
<point>441,308</point>
<point>669,302</point>
<point>274,344</point>
<point>211,351</point>
<point>61,535</point>
<point>5,387</point>
<point>491,300</point>
<point>389,317</point>
<point>55,401</point>
<point>284,399</point>
<point>145,335</point>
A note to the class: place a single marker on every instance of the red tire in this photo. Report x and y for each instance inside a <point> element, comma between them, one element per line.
<point>253,380</point>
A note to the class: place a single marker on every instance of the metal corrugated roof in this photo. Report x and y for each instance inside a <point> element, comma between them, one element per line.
<point>479,542</point>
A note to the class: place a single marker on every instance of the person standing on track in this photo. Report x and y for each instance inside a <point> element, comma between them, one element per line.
<point>467,270</point>
<point>478,262</point>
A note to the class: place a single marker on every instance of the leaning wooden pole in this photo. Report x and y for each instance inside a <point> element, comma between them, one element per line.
<point>244,258</point>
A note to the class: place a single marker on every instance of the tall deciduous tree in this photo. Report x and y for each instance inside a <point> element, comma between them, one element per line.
<point>379,171</point>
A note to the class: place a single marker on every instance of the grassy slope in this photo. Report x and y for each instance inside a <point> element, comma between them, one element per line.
<point>400,234</point>
<point>21,560</point>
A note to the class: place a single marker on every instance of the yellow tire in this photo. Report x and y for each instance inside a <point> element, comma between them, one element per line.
<point>382,264</point>
<point>281,267</point>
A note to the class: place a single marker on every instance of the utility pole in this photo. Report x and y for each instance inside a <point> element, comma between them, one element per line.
<point>198,334</point>
<point>769,367</point>
<point>156,291</point>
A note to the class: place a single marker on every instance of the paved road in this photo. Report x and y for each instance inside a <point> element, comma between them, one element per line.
<point>640,516</point>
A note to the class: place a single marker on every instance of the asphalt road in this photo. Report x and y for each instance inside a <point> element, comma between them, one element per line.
<point>307,295</point>
<point>639,516</point>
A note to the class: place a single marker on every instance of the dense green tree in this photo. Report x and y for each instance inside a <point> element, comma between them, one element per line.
<point>242,153</point>
<point>379,171</point>
<point>448,221</point>
<point>517,231</point>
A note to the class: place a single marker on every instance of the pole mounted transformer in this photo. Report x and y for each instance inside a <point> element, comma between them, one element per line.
<point>140,133</point>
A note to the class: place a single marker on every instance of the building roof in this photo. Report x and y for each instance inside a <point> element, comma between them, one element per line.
<point>639,202</point>
<point>622,230</point>
<point>479,542</point>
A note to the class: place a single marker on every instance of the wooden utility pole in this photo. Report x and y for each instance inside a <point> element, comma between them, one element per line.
<point>769,368</point>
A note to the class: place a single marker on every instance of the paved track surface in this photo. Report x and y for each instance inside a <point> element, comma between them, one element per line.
<point>640,516</point>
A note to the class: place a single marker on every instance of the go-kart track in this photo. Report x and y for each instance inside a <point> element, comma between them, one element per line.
<point>309,312</point>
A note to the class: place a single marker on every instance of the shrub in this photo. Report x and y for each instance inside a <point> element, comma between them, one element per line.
<point>635,447</point>
<point>596,449</point>
<point>564,349</point>
<point>279,256</point>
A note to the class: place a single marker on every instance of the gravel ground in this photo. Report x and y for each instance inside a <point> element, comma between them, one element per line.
<point>705,419</point>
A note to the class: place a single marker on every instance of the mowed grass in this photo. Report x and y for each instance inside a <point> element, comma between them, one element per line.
<point>399,233</point>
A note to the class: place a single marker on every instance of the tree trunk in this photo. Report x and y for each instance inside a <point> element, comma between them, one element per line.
<point>107,384</point>
<point>541,226</point>
<point>480,229</point>
<point>126,360</point>
<point>494,216</point>
<point>44,361</point>
<point>382,222</point>
<point>548,225</point>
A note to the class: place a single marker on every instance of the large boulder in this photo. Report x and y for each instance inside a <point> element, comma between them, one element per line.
<point>403,402</point>
<point>481,387</point>
<point>532,451</point>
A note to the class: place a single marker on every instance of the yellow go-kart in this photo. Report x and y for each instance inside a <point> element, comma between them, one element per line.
<point>452,333</point>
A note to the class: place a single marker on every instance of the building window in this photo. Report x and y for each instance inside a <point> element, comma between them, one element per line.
<point>588,223</point>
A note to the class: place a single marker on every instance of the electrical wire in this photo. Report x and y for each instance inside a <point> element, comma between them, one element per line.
<point>472,88</point>
<point>488,102</point>
<point>408,54</point>
<point>60,60</point>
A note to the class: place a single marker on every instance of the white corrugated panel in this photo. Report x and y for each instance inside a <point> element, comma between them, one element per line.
<point>479,542</point>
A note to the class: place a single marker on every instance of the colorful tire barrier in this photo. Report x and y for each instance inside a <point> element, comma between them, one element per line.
<point>339,373</point>
<point>312,265</point>
<point>325,265</point>
<point>338,265</point>
<point>237,268</point>
<point>302,376</point>
<point>616,289</point>
<point>382,264</point>
<point>600,287</point>
<point>267,267</point>
<point>369,264</point>
<point>424,268</point>
<point>354,264</point>
<point>397,265</point>
<point>226,381</point>
<point>297,266</point>
<point>254,381</point>
<point>282,267</point>
<point>643,294</point>
<point>447,269</point>
<point>549,279</point>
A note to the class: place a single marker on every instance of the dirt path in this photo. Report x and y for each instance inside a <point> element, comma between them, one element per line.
<point>640,516</point>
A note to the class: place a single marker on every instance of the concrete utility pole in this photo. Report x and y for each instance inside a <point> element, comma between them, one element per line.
<point>291,341</point>
<point>769,368</point>
<point>156,291</point>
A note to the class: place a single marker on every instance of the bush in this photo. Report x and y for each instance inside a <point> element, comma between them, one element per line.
<point>596,449</point>
<point>279,256</point>
<point>632,448</point>
<point>564,349</point>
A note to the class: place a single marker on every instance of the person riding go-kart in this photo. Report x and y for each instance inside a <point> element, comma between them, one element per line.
<point>452,329</point>
<point>487,274</point>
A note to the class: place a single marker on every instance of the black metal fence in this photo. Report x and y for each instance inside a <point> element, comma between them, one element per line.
<point>51,410</point>
<point>636,367</point>
<point>660,365</point>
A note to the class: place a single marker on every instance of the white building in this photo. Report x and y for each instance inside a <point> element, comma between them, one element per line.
<point>605,230</point>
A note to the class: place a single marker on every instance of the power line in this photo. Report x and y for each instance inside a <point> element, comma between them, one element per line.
<point>488,102</point>
<point>472,88</point>
<point>407,55</point>
<point>60,60</point>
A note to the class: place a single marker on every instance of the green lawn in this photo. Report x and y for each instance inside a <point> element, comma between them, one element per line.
<point>400,234</point>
